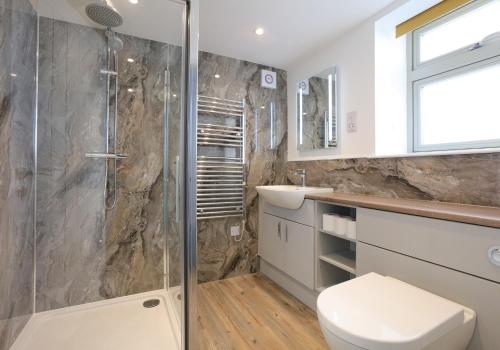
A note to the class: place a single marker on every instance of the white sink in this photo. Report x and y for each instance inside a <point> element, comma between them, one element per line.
<point>288,196</point>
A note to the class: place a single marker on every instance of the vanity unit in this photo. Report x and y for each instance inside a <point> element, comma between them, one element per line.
<point>299,254</point>
<point>450,250</point>
<point>287,240</point>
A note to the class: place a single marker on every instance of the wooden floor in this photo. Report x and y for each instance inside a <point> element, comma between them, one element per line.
<point>252,312</point>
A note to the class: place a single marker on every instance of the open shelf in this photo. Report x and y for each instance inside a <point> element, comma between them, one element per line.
<point>335,253</point>
<point>331,233</point>
<point>330,275</point>
<point>345,260</point>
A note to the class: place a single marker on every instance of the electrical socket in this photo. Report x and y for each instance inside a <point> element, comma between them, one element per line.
<point>235,231</point>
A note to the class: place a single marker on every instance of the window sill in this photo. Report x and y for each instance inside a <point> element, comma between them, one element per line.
<point>439,153</point>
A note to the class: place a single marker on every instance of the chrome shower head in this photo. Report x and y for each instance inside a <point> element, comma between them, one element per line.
<point>102,12</point>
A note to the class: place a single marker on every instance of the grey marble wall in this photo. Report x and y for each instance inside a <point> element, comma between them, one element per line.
<point>85,252</point>
<point>219,255</point>
<point>17,111</point>
<point>468,179</point>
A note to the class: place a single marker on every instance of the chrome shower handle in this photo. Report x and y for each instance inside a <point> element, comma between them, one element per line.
<point>177,190</point>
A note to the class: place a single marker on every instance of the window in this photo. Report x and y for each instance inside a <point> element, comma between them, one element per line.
<point>454,80</point>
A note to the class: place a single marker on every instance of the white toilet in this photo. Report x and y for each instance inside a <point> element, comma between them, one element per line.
<point>375,312</point>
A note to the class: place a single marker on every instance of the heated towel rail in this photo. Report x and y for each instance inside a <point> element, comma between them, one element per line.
<point>221,174</point>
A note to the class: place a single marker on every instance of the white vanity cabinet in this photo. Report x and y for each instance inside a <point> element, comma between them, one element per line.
<point>271,244</point>
<point>286,244</point>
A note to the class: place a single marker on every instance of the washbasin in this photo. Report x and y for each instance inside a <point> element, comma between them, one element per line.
<point>288,196</point>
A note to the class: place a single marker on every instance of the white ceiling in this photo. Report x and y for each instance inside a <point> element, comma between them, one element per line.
<point>159,20</point>
<point>293,28</point>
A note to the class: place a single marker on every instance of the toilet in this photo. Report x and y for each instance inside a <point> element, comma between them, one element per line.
<point>377,312</point>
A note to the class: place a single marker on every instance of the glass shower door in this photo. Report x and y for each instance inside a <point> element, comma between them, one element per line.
<point>110,179</point>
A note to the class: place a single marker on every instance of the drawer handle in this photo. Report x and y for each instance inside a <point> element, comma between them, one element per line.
<point>286,233</point>
<point>494,255</point>
<point>279,230</point>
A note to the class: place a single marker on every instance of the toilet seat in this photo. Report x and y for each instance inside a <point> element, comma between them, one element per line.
<point>381,313</point>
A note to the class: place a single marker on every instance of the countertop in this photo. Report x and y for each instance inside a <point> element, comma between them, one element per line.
<point>465,213</point>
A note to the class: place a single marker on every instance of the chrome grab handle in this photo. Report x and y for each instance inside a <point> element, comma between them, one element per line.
<point>279,230</point>
<point>286,233</point>
<point>494,255</point>
<point>177,191</point>
<point>106,155</point>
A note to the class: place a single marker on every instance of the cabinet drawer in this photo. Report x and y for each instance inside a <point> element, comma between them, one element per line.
<point>462,247</point>
<point>303,215</point>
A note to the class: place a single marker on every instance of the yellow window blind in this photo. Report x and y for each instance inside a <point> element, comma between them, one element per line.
<point>429,15</point>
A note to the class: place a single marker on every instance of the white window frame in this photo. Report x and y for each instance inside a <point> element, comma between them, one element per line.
<point>454,63</point>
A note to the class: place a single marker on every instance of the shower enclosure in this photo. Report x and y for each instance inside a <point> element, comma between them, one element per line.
<point>96,111</point>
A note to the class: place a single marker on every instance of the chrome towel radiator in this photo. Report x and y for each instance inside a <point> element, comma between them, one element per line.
<point>221,173</point>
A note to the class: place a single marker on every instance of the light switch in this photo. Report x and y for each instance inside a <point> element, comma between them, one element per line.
<point>352,121</point>
<point>235,231</point>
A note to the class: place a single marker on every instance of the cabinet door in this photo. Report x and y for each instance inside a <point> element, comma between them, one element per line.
<point>271,243</point>
<point>299,252</point>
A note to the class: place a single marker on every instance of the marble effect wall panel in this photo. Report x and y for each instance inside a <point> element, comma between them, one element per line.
<point>84,252</point>
<point>70,215</point>
<point>17,111</point>
<point>468,179</point>
<point>219,255</point>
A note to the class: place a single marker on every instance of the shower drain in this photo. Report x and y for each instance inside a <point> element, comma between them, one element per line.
<point>151,303</point>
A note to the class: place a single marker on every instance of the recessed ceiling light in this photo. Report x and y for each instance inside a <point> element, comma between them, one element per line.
<point>134,1</point>
<point>13,75</point>
<point>259,31</point>
<point>217,76</point>
<point>174,95</point>
<point>263,107</point>
<point>131,60</point>
<point>130,90</point>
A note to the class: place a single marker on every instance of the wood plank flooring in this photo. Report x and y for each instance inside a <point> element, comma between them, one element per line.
<point>252,312</point>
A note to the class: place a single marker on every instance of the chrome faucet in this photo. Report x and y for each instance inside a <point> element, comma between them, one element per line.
<point>303,175</point>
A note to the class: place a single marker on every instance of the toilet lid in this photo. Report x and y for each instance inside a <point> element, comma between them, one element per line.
<point>377,312</point>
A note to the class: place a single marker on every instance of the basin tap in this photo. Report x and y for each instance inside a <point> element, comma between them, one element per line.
<point>302,174</point>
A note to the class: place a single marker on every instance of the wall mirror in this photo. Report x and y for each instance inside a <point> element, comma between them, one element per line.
<point>317,111</point>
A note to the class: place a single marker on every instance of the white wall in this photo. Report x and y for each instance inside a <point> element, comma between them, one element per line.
<point>390,90</point>
<point>353,54</point>
<point>360,73</point>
